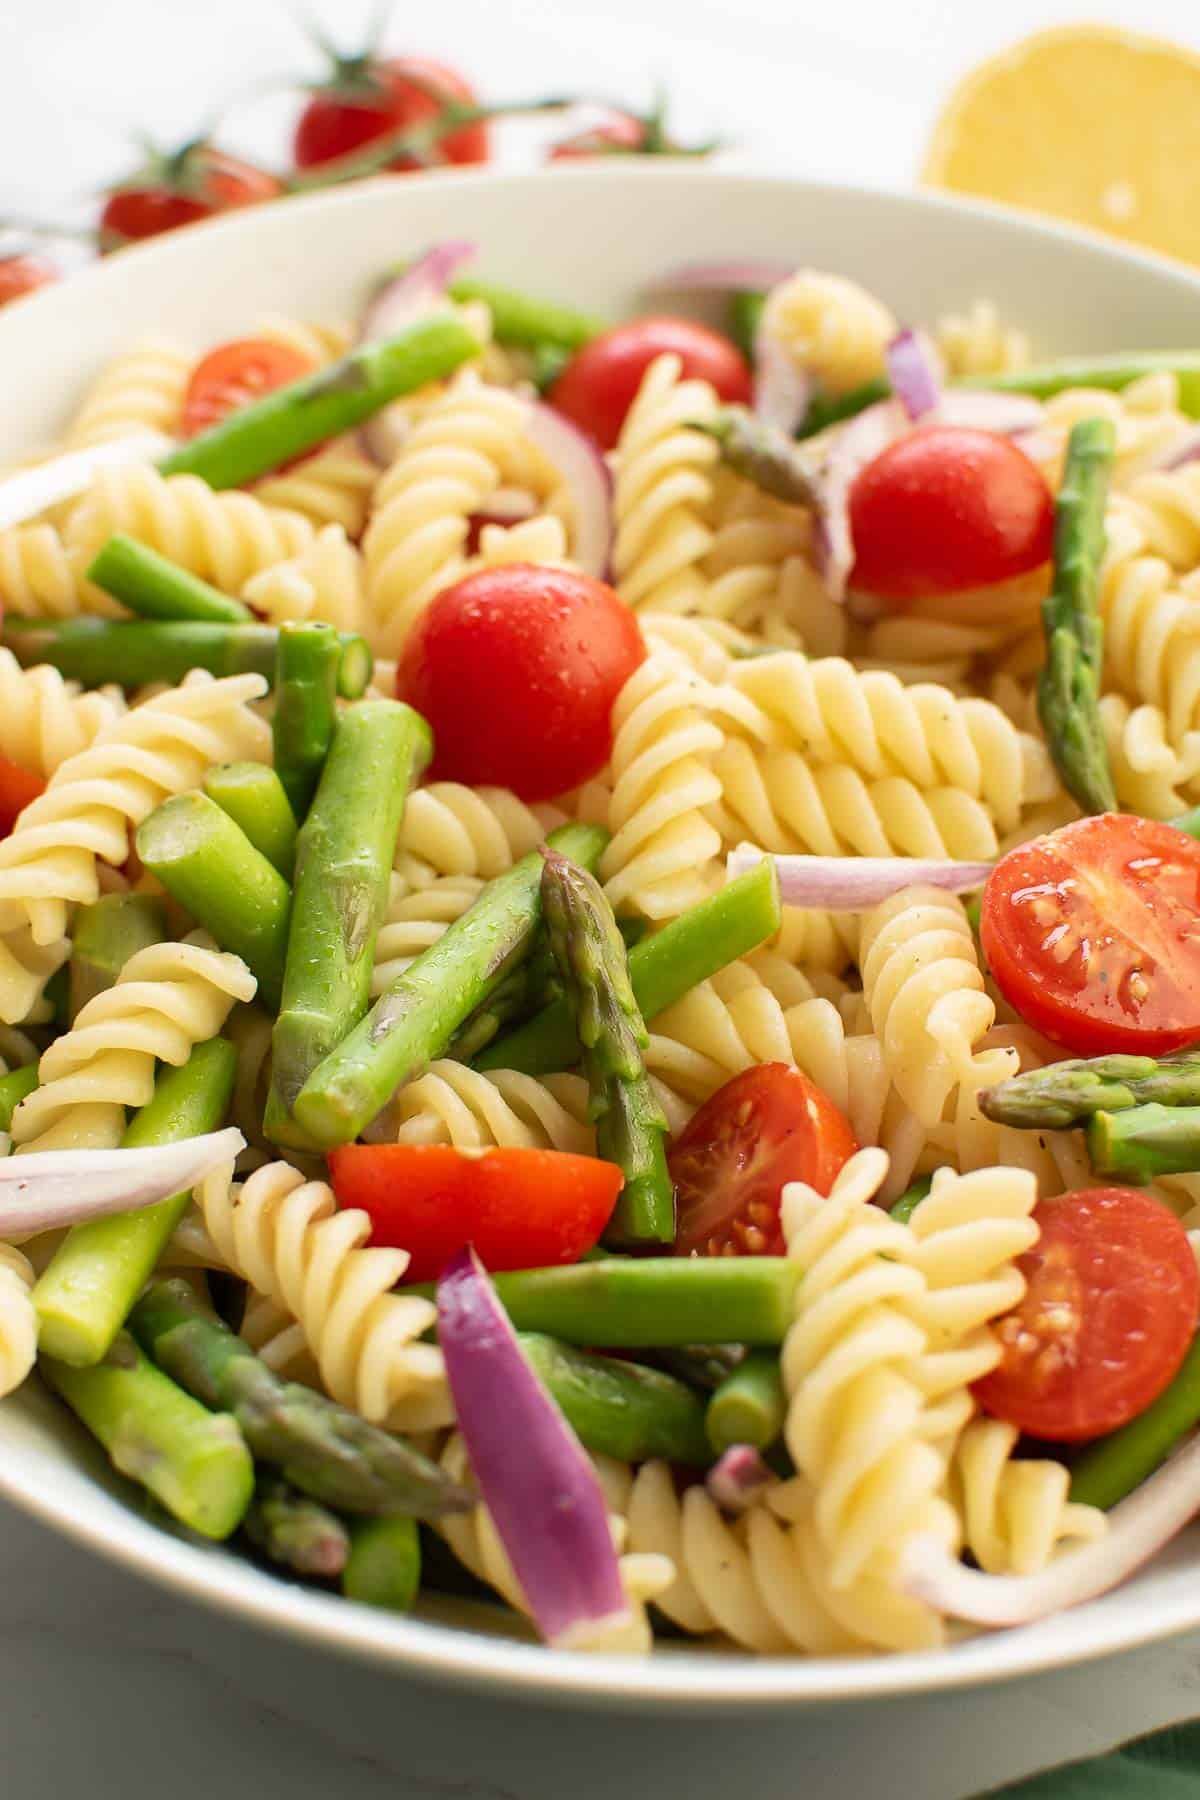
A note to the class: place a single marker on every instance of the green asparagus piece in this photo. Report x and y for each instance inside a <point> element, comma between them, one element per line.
<point>384,1565</point>
<point>743,317</point>
<point>1069,683</point>
<point>252,794</point>
<point>305,708</point>
<point>825,410</point>
<point>305,413</point>
<point>749,1406</point>
<point>549,361</point>
<point>1113,1466</point>
<point>208,864</point>
<point>330,1453</point>
<point>1068,1093</point>
<point>761,454</point>
<point>418,1015</point>
<point>1188,822</point>
<point>533,984</point>
<point>292,1529</point>
<point>526,322</point>
<point>194,1461</point>
<point>97,1272</point>
<point>703,1366</point>
<point>13,1089</point>
<point>1145,1142</point>
<point>57,995</point>
<point>107,934</point>
<point>131,652</point>
<point>652,1302</point>
<point>910,1199</point>
<point>156,588</point>
<point>662,969</point>
<point>631,1127</point>
<point>343,865</point>
<point>619,1408</point>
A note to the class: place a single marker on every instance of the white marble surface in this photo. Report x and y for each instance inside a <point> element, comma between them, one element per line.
<point>111,1687</point>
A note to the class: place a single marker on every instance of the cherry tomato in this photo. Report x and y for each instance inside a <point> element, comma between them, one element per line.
<point>615,134</point>
<point>368,97</point>
<point>22,274</point>
<point>1093,935</point>
<point>232,375</point>
<point>946,508</point>
<point>517,669</point>
<point>195,183</point>
<point>17,788</point>
<point>1108,1314</point>
<point>522,1209</point>
<point>767,1126</point>
<point>600,383</point>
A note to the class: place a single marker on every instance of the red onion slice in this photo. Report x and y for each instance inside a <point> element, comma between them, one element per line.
<point>745,275</point>
<point>781,391</point>
<point>25,495</point>
<point>398,302</point>
<point>915,372</point>
<point>1005,414</point>
<point>846,451</point>
<point>853,883</point>
<point>738,1478</point>
<point>542,1492</point>
<point>1185,451</point>
<point>1137,1530</point>
<point>588,480</point>
<point>49,1188</point>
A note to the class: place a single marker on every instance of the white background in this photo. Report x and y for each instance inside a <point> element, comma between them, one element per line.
<point>108,1686</point>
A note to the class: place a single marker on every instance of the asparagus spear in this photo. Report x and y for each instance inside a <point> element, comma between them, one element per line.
<point>619,1408</point>
<point>703,1366</point>
<point>131,652</point>
<point>13,1089</point>
<point>343,862</point>
<point>652,1302</point>
<point>662,969</point>
<point>156,588</point>
<point>295,418</point>
<point>526,322</point>
<point>1113,1466</point>
<point>107,934</point>
<point>253,796</point>
<point>208,864</point>
<point>760,453</point>
<point>384,1565</point>
<point>1188,822</point>
<point>1069,683</point>
<point>1068,1093</point>
<point>194,1461</point>
<point>1145,1142</point>
<point>94,1276</point>
<point>330,1453</point>
<point>533,984</point>
<point>749,1406</point>
<point>305,707</point>
<point>631,1128</point>
<point>296,1531</point>
<point>743,318</point>
<point>910,1199</point>
<point>417,1016</point>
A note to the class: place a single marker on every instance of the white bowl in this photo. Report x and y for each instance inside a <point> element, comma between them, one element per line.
<point>594,236</point>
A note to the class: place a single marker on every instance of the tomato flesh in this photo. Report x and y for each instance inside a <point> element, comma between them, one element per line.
<point>615,134</point>
<point>22,274</point>
<point>402,92</point>
<point>233,375</point>
<point>768,1126</point>
<point>517,670</point>
<point>521,1209</point>
<point>600,383</point>
<point>1109,1311</point>
<point>1093,935</point>
<point>945,508</point>
<point>18,787</point>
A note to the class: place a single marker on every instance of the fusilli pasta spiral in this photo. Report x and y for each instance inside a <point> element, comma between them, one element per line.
<point>1016,1512</point>
<point>44,719</point>
<point>18,1320</point>
<point>832,328</point>
<point>325,581</point>
<point>142,388</point>
<point>663,492</point>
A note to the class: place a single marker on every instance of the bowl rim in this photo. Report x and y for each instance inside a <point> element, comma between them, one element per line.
<point>680,1680</point>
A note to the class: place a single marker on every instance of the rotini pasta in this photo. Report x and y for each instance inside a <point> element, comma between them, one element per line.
<point>663,493</point>
<point>44,720</point>
<point>1015,1512</point>
<point>325,581</point>
<point>18,1321</point>
<point>141,389</point>
<point>832,328</point>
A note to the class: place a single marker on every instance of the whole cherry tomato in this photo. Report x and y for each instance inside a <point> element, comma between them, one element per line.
<point>22,274</point>
<point>370,96</point>
<point>191,184</point>
<point>600,383</point>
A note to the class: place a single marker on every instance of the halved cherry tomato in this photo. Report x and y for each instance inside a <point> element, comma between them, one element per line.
<point>367,97</point>
<point>193,183</point>
<point>22,274</point>
<point>517,669</point>
<point>767,1126</point>
<point>522,1209</point>
<point>600,383</point>
<point>614,134</point>
<point>1109,1310</point>
<point>946,508</point>
<point>1093,935</point>
<point>17,788</point>
<point>232,375</point>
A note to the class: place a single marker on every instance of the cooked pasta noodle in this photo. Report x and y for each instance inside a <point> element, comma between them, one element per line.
<point>663,493</point>
<point>977,342</point>
<point>832,328</point>
<point>449,829</point>
<point>44,720</point>
<point>141,389</point>
<point>1016,1512</point>
<point>325,581</point>
<point>331,487</point>
<point>18,1320</point>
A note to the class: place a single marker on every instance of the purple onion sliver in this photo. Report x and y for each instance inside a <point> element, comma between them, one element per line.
<point>405,298</point>
<point>737,276</point>
<point>1184,452</point>
<point>588,480</point>
<point>849,449</point>
<point>978,410</point>
<point>853,883</point>
<point>49,1188</point>
<point>541,1490</point>
<point>738,1478</point>
<point>781,391</point>
<point>915,371</point>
